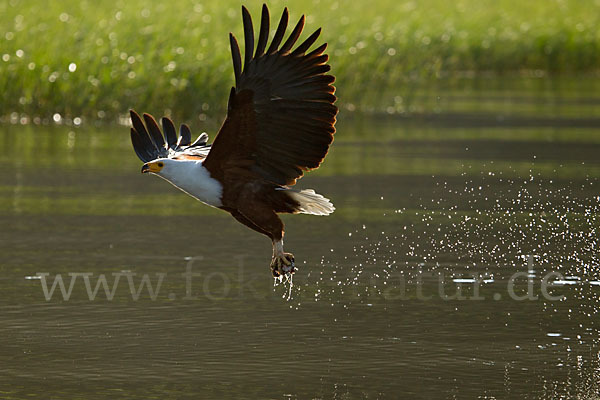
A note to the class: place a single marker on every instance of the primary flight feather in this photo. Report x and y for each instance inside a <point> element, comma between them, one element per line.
<point>280,124</point>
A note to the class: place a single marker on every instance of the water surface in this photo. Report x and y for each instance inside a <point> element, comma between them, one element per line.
<point>424,206</point>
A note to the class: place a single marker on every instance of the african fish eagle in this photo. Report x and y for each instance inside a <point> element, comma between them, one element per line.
<point>280,123</point>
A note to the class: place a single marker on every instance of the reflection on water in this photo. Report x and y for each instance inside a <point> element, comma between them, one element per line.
<point>460,262</point>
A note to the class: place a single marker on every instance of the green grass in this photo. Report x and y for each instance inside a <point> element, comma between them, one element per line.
<point>173,57</point>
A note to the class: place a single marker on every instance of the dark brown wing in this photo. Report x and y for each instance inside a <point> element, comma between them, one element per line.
<point>280,118</point>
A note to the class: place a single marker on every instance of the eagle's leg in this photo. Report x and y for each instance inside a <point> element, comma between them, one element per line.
<point>264,220</point>
<point>281,263</point>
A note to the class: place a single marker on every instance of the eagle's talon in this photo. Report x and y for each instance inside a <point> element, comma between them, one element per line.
<point>283,265</point>
<point>288,259</point>
<point>275,271</point>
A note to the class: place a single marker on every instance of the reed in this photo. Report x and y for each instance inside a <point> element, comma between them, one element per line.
<point>94,60</point>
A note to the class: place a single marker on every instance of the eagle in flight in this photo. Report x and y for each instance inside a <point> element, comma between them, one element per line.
<point>280,123</point>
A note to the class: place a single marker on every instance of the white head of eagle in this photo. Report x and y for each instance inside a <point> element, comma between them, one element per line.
<point>279,124</point>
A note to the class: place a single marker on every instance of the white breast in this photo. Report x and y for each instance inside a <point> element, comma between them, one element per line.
<point>194,179</point>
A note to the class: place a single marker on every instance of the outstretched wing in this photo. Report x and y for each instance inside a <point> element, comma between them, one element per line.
<point>149,144</point>
<point>280,118</point>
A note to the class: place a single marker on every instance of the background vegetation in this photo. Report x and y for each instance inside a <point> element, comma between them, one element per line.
<point>83,60</point>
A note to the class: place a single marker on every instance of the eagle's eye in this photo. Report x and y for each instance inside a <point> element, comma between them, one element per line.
<point>160,165</point>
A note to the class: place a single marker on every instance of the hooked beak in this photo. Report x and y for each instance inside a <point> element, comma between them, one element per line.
<point>151,167</point>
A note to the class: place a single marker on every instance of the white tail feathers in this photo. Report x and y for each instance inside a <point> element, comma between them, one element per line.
<point>311,202</point>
